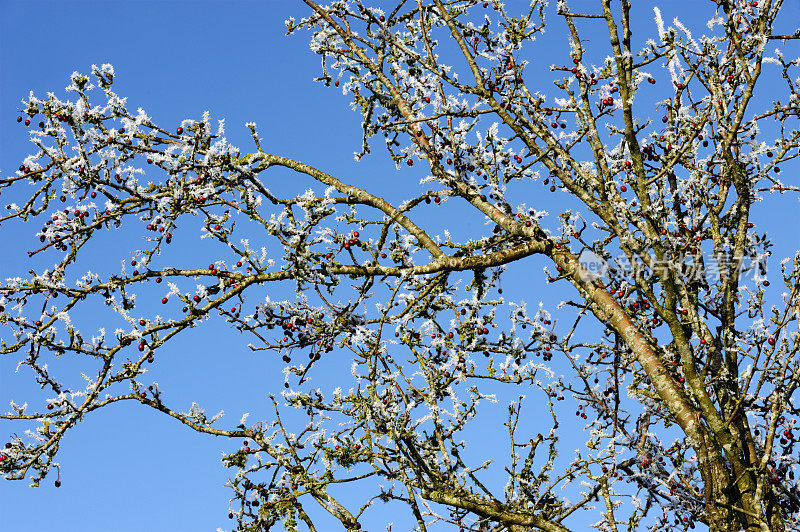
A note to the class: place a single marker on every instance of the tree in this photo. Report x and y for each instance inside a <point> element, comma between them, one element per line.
<point>682,362</point>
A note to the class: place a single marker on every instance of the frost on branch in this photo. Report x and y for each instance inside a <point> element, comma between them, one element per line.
<point>634,174</point>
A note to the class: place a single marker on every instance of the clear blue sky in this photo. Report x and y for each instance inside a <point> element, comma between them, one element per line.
<point>127,468</point>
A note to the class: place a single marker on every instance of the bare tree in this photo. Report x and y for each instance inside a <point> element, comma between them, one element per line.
<point>686,390</point>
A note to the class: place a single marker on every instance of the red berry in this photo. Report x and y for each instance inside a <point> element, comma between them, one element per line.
<point>164,301</point>
<point>27,122</point>
<point>651,80</point>
<point>382,18</point>
<point>410,162</point>
<point>238,264</point>
<point>57,483</point>
<point>179,131</point>
<point>771,341</point>
<point>19,119</point>
<point>623,188</point>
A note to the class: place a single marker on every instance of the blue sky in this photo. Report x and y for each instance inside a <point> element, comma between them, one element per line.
<point>126,469</point>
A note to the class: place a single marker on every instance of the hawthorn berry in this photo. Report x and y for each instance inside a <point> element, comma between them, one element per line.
<point>179,131</point>
<point>164,300</point>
